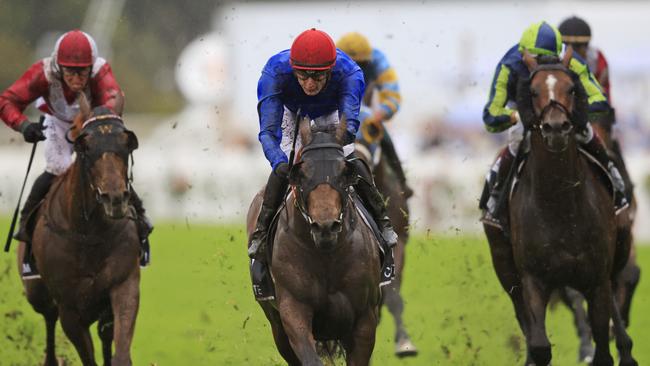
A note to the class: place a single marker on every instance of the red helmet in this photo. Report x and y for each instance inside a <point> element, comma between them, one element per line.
<point>313,50</point>
<point>75,49</point>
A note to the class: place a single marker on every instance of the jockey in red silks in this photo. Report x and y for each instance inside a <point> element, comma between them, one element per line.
<point>500,113</point>
<point>55,83</point>
<point>312,79</point>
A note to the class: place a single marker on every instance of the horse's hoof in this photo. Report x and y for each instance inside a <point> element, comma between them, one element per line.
<point>586,355</point>
<point>405,348</point>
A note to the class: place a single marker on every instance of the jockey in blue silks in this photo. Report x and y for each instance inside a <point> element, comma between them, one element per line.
<point>500,113</point>
<point>314,79</point>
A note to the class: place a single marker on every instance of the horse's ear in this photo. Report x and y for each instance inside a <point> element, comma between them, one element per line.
<point>80,143</point>
<point>305,131</point>
<point>568,54</point>
<point>84,106</point>
<point>119,103</point>
<point>341,129</point>
<point>295,174</point>
<point>132,140</point>
<point>529,61</point>
<point>350,174</point>
<point>81,117</point>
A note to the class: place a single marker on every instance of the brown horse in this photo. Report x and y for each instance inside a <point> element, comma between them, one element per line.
<point>398,211</point>
<point>86,246</point>
<point>325,262</point>
<point>563,229</point>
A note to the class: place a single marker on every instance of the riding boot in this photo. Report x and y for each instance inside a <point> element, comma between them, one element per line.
<point>492,200</point>
<point>620,162</point>
<point>374,202</point>
<point>276,188</point>
<point>39,190</point>
<point>395,164</point>
<point>144,227</point>
<point>596,148</point>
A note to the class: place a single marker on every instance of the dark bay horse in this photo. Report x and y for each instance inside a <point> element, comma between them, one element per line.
<point>398,211</point>
<point>563,228</point>
<point>325,262</point>
<point>86,245</point>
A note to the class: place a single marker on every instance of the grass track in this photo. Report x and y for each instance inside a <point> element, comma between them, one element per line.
<point>197,308</point>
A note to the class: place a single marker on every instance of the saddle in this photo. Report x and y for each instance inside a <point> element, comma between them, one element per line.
<point>600,171</point>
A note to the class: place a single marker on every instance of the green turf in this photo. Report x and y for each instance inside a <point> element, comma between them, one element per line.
<point>197,308</point>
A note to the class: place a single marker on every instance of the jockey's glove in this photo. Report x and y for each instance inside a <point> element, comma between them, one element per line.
<point>32,132</point>
<point>282,170</point>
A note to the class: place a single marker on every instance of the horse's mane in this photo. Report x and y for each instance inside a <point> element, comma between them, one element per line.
<point>579,116</point>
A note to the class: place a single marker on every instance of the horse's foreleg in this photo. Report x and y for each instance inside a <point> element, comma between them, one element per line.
<point>535,297</point>
<point>50,325</point>
<point>125,299</point>
<point>105,332</point>
<point>363,339</point>
<point>600,303</point>
<point>297,323</point>
<point>79,335</point>
<point>279,335</point>
<point>623,340</point>
<point>574,301</point>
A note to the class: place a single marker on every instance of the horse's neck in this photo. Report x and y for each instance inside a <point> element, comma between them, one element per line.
<point>555,177</point>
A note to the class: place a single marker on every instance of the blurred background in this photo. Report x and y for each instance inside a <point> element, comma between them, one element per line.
<point>190,71</point>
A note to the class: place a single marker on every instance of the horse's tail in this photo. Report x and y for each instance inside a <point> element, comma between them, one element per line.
<point>339,314</point>
<point>330,350</point>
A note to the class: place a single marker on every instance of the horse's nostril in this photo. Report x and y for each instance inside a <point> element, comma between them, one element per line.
<point>336,226</point>
<point>566,126</point>
<point>546,127</point>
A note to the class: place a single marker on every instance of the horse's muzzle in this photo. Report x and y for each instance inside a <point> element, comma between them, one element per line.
<point>556,135</point>
<point>325,234</point>
<point>116,205</point>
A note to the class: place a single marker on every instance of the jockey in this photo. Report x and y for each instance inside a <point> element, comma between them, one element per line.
<point>323,83</point>
<point>500,114</point>
<point>378,75</point>
<point>577,33</point>
<point>55,83</point>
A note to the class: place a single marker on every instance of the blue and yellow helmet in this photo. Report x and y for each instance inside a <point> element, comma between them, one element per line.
<point>541,39</point>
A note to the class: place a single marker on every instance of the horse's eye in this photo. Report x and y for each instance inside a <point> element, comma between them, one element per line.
<point>534,93</point>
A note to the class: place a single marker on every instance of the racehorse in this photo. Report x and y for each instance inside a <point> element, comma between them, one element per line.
<point>563,228</point>
<point>86,245</point>
<point>398,211</point>
<point>325,262</point>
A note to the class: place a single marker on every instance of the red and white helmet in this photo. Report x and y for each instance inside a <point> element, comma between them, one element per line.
<point>313,50</point>
<point>75,49</point>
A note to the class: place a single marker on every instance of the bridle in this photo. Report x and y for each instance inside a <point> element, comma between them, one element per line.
<point>329,151</point>
<point>552,104</point>
<point>87,159</point>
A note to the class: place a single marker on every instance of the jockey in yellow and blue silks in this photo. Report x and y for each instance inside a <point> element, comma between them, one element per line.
<point>500,113</point>
<point>313,79</point>
<point>381,77</point>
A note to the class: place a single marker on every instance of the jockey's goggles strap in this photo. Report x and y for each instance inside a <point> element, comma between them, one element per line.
<point>102,117</point>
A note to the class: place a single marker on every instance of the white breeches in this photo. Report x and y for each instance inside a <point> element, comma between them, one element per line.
<point>58,151</point>
<point>289,125</point>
